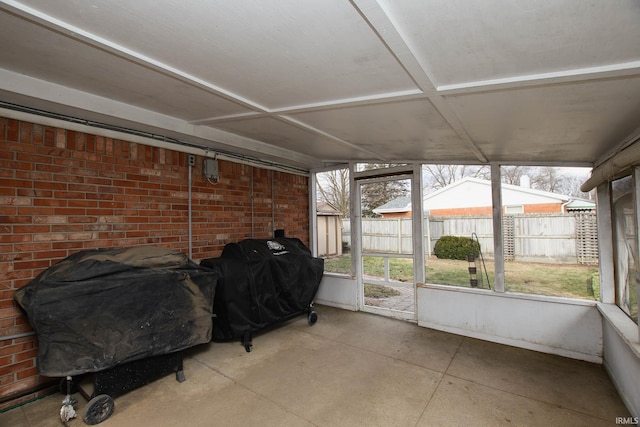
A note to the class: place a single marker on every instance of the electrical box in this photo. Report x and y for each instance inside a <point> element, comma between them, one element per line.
<point>211,170</point>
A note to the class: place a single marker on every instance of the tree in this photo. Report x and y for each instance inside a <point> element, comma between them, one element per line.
<point>333,188</point>
<point>513,174</point>
<point>572,184</point>
<point>553,179</point>
<point>377,194</point>
<point>558,180</point>
<point>547,179</point>
<point>440,176</point>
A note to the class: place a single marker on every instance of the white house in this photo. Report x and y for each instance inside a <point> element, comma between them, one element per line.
<point>472,196</point>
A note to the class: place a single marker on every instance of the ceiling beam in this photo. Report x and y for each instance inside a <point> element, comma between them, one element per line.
<point>612,71</point>
<point>380,21</point>
<point>385,98</point>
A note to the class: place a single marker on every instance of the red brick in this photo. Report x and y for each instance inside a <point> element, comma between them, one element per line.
<point>71,140</point>
<point>13,130</point>
<point>64,228</point>
<point>31,265</point>
<point>6,369</point>
<point>37,132</point>
<point>31,228</point>
<point>50,254</point>
<point>31,372</point>
<point>25,355</point>
<point>73,246</point>
<point>14,348</point>
<point>49,136</point>
<point>28,247</point>
<point>69,211</point>
<point>60,138</point>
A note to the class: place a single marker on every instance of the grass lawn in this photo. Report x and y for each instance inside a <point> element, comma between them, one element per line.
<point>565,280</point>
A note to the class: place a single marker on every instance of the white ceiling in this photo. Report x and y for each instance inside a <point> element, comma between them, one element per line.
<point>308,83</point>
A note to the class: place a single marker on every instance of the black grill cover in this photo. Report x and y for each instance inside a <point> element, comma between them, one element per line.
<point>100,308</point>
<point>263,282</point>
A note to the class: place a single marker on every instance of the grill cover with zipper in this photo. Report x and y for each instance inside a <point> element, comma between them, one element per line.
<point>100,308</point>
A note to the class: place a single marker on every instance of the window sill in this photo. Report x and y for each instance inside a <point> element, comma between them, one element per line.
<point>340,275</point>
<point>513,295</point>
<point>623,325</point>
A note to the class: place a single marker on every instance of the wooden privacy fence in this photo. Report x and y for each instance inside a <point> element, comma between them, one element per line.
<point>562,238</point>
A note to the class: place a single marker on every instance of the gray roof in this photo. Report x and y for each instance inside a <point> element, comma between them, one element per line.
<point>399,204</point>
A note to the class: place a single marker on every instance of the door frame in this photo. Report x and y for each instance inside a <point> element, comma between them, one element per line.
<point>414,174</point>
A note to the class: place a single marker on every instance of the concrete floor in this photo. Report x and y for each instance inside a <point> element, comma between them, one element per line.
<point>355,369</point>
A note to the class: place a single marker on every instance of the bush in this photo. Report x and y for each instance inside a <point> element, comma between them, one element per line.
<point>456,247</point>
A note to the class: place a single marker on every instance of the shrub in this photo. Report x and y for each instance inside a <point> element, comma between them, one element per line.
<point>456,247</point>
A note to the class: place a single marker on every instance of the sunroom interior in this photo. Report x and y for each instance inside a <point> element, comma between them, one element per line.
<point>309,87</point>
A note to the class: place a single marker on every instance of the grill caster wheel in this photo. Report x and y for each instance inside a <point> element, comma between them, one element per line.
<point>312,318</point>
<point>98,409</point>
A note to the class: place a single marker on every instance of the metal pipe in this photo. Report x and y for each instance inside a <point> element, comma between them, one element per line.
<point>17,112</point>
<point>20,335</point>
<point>252,197</point>
<point>190,160</point>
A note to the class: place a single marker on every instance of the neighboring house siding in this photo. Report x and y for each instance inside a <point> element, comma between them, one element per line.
<point>62,191</point>
<point>472,196</point>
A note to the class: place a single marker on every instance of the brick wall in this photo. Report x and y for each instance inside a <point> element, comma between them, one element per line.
<point>397,215</point>
<point>544,208</point>
<point>480,210</point>
<point>487,210</point>
<point>62,191</point>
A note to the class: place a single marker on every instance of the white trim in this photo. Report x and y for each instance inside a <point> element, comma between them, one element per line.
<point>623,325</point>
<point>568,76</point>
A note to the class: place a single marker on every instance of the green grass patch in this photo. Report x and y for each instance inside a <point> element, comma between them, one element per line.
<point>565,280</point>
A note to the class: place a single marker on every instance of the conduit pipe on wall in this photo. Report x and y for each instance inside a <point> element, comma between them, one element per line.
<point>191,160</point>
<point>17,112</point>
<point>252,197</point>
<point>16,336</point>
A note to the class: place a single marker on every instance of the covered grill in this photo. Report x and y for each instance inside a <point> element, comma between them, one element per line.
<point>264,282</point>
<point>99,309</point>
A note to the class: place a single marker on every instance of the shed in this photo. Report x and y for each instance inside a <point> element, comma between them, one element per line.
<point>329,230</point>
